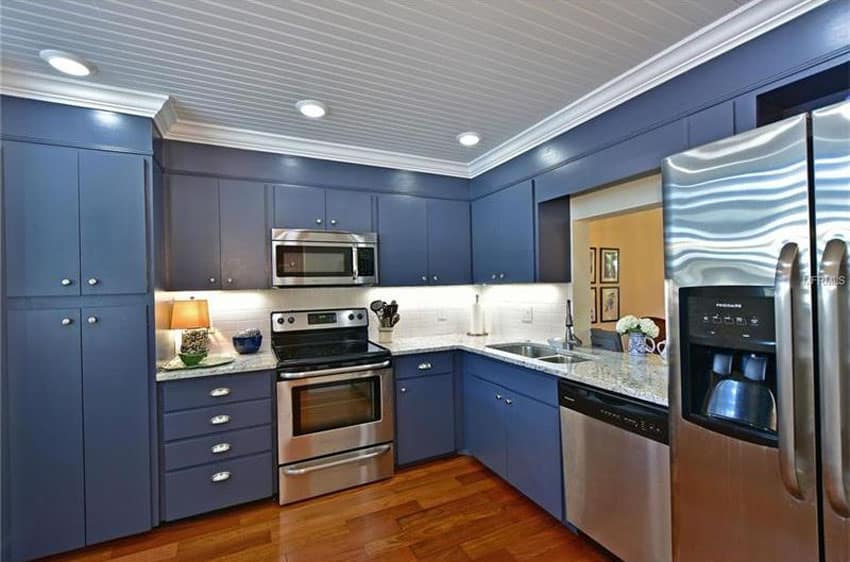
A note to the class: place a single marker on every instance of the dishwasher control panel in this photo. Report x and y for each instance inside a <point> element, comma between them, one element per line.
<point>637,416</point>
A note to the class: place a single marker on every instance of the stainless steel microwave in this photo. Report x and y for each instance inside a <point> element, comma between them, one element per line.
<point>319,257</point>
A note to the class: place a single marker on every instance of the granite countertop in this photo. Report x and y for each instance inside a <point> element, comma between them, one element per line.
<point>644,377</point>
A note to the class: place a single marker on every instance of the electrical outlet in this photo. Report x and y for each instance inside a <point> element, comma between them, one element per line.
<point>442,315</point>
<point>528,315</point>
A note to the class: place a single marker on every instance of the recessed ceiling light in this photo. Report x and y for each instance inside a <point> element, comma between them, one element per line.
<point>312,109</point>
<point>67,63</point>
<point>469,138</point>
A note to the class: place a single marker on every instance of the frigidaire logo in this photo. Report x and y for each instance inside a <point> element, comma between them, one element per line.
<point>728,305</point>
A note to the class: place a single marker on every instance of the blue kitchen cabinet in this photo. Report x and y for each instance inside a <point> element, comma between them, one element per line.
<point>42,236</point>
<point>46,504</point>
<point>403,240</point>
<point>503,236</point>
<point>244,235</point>
<point>113,228</point>
<point>449,246</point>
<point>711,124</point>
<point>299,207</point>
<point>424,426</point>
<point>194,245</point>
<point>534,451</point>
<point>116,417</point>
<point>484,423</point>
<point>348,211</point>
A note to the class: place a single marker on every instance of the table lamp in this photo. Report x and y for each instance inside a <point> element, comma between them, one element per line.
<point>193,317</point>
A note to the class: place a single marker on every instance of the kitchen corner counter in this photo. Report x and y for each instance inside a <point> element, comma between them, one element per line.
<point>644,378</point>
<point>241,364</point>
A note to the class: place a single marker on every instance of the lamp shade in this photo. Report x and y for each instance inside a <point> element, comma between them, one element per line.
<point>186,315</point>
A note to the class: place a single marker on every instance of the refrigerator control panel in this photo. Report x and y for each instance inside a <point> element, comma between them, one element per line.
<point>731,321</point>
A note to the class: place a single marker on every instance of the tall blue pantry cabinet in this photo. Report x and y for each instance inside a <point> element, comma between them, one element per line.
<point>78,381</point>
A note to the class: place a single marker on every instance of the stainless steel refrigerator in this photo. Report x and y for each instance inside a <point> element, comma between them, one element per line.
<point>756,235</point>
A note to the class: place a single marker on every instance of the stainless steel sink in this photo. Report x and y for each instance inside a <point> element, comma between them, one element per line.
<point>564,359</point>
<point>532,350</point>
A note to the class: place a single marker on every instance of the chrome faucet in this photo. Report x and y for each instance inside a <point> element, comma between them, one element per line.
<point>571,340</point>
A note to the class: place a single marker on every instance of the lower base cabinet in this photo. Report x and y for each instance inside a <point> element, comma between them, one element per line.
<point>515,436</point>
<point>425,424</point>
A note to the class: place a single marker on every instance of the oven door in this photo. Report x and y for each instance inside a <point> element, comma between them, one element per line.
<point>330,411</point>
<point>310,263</point>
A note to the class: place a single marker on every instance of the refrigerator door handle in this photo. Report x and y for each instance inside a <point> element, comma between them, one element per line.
<point>833,266</point>
<point>786,274</point>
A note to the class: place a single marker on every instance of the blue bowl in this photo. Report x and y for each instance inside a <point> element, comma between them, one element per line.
<point>247,344</point>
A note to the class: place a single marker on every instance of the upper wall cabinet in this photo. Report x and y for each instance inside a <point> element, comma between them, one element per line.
<point>711,124</point>
<point>503,236</point>
<point>423,241</point>
<point>76,221</point>
<point>218,234</point>
<point>323,209</point>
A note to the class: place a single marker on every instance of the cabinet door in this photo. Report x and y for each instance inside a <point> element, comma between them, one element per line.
<point>244,235</point>
<point>515,250</point>
<point>484,423</point>
<point>449,246</point>
<point>349,211</point>
<point>299,207</point>
<point>116,415</point>
<point>45,432</point>
<point>402,240</point>
<point>534,451</point>
<point>486,237</point>
<point>113,223</point>
<point>41,220</point>
<point>194,260</point>
<point>715,123</point>
<point>425,427</point>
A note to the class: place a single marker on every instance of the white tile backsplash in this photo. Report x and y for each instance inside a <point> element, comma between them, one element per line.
<point>425,311</point>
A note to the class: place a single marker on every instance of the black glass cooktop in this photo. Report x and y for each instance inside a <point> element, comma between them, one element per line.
<point>328,354</point>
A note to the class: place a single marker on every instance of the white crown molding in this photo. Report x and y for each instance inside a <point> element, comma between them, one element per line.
<point>232,137</point>
<point>80,93</point>
<point>742,25</point>
<point>736,28</point>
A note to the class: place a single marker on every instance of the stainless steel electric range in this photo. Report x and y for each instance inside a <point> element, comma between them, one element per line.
<point>334,402</point>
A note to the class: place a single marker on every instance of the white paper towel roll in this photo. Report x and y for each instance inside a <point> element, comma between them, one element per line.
<point>476,321</point>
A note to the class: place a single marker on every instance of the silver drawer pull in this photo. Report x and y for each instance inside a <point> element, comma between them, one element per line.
<point>220,476</point>
<point>220,419</point>
<point>424,366</point>
<point>219,392</point>
<point>219,448</point>
<point>65,282</point>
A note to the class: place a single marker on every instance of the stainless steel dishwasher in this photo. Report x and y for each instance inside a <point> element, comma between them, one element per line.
<point>617,471</point>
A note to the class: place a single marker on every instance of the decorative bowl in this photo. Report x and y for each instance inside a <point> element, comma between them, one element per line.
<point>245,345</point>
<point>191,359</point>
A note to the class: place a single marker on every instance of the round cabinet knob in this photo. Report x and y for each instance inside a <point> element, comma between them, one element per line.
<point>508,401</point>
<point>212,279</point>
<point>65,282</point>
<point>435,278</point>
<point>493,276</point>
<point>92,281</point>
<point>498,397</point>
<point>333,222</point>
<point>92,319</point>
<point>403,389</point>
<point>501,276</point>
<point>66,321</point>
<point>424,277</point>
<point>230,280</point>
<point>318,221</point>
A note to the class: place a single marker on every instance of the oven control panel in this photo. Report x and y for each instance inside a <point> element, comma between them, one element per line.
<point>297,320</point>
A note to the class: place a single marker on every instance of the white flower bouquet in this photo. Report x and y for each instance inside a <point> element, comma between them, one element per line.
<point>630,324</point>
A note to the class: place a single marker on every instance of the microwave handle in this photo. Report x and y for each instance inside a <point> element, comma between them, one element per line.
<point>354,262</point>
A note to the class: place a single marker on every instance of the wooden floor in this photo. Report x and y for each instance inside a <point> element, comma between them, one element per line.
<point>453,510</point>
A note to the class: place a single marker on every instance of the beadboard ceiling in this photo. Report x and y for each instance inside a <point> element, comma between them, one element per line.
<point>401,79</point>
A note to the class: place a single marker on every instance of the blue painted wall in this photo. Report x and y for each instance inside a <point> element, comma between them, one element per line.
<point>222,162</point>
<point>814,38</point>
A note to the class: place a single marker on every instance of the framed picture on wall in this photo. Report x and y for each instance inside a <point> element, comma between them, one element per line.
<point>593,266</point>
<point>593,301</point>
<point>609,303</point>
<point>609,265</point>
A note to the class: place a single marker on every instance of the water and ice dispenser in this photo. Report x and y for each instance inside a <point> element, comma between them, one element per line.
<point>729,361</point>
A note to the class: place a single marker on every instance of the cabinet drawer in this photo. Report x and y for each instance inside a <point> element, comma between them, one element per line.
<point>209,391</point>
<point>217,419</point>
<point>195,490</point>
<point>424,364</point>
<point>217,447</point>
<point>533,384</point>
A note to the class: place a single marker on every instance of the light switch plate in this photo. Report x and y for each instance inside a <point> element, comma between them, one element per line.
<point>442,315</point>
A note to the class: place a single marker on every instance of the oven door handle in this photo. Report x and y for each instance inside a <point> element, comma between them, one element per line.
<point>371,453</point>
<point>336,371</point>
